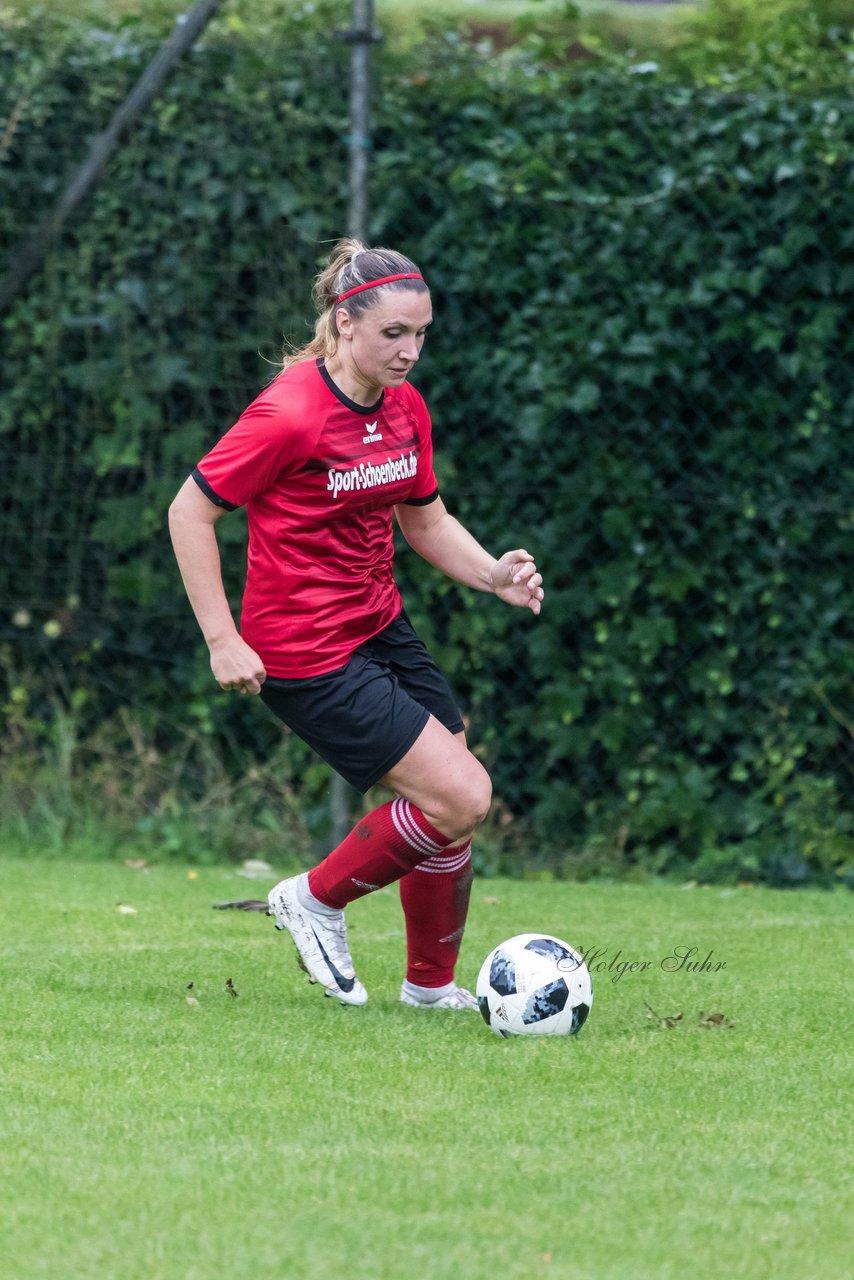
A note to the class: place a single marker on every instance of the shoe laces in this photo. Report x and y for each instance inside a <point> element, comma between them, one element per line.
<point>461,999</point>
<point>335,941</point>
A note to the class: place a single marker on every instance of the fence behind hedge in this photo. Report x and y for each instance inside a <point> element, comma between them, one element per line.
<point>640,369</point>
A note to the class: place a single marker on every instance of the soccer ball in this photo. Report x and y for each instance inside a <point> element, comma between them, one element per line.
<point>534,984</point>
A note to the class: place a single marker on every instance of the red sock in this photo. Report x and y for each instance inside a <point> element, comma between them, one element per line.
<point>435,899</point>
<point>384,846</point>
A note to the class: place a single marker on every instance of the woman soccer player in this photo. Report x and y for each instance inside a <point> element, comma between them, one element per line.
<point>335,445</point>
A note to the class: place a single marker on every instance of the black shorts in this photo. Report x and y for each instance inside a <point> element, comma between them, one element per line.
<point>363,718</point>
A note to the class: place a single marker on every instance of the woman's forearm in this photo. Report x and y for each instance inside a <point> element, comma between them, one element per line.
<point>191,527</point>
<point>450,547</point>
<point>444,542</point>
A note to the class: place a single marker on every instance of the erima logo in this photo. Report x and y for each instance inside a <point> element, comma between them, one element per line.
<point>371,888</point>
<point>373,435</point>
<point>456,936</point>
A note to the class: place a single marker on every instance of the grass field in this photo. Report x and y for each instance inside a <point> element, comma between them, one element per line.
<point>277,1134</point>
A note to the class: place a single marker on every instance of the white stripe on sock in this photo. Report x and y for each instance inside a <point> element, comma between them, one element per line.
<point>409,824</point>
<point>453,854</point>
<point>408,829</point>
<point>442,866</point>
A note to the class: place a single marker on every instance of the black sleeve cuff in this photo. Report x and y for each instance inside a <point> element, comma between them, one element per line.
<point>421,502</point>
<point>209,493</point>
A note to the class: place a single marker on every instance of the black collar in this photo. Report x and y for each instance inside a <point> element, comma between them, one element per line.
<point>339,394</point>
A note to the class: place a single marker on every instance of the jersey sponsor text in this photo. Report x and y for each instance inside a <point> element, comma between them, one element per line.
<point>368,475</point>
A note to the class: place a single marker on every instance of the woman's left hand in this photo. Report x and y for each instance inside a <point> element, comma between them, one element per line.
<point>516,580</point>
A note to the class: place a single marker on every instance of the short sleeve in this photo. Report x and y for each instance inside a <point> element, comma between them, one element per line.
<point>426,487</point>
<point>268,440</point>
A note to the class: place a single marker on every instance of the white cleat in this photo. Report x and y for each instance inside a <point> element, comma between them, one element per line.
<point>459,998</point>
<point>321,943</point>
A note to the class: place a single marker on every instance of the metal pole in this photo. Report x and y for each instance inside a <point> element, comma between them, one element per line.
<point>360,37</point>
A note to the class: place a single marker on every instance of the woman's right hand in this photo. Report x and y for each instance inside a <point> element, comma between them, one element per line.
<point>192,517</point>
<point>236,666</point>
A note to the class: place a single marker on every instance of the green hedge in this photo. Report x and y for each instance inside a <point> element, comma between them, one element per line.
<point>640,370</point>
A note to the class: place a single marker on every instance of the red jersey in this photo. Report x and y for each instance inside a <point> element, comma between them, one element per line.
<point>319,476</point>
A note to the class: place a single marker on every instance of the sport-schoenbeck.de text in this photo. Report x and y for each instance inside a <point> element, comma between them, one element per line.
<point>368,475</point>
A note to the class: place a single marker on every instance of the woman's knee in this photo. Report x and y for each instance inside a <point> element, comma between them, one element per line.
<point>447,783</point>
<point>462,805</point>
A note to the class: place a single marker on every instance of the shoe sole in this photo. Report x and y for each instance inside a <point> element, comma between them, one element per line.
<point>315,982</point>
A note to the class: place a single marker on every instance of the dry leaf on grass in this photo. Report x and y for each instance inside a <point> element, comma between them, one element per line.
<point>243,904</point>
<point>712,1020</point>
<point>667,1020</point>
<point>708,1020</point>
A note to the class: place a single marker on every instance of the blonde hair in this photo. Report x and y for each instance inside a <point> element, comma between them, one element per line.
<point>349,264</point>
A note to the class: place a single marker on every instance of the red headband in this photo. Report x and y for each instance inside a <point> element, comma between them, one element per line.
<point>372,284</point>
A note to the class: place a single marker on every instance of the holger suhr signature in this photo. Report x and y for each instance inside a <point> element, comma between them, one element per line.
<point>681,959</point>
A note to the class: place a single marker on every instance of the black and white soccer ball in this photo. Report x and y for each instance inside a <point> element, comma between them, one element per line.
<point>534,984</point>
